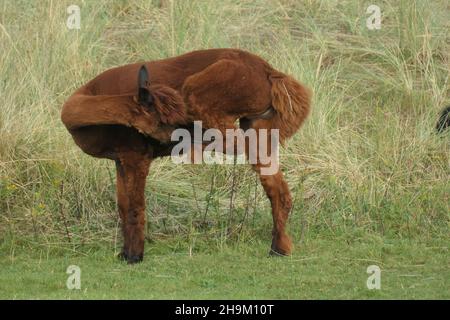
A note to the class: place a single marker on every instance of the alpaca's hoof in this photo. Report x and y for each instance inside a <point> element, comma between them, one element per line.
<point>273,253</point>
<point>281,246</point>
<point>135,259</point>
<point>130,259</point>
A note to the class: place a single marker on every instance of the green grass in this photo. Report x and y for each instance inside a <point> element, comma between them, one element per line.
<point>318,270</point>
<point>369,177</point>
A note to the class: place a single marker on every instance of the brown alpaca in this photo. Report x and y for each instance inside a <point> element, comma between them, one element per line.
<point>128,113</point>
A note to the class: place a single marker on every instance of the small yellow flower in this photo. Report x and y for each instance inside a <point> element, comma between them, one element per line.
<point>11,187</point>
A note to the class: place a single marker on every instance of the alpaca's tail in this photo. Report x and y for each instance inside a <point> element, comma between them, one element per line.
<point>444,120</point>
<point>291,101</point>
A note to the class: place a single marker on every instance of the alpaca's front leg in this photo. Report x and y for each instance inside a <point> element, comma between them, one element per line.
<point>122,202</point>
<point>132,170</point>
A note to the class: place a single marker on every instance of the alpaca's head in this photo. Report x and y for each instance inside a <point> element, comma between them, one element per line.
<point>144,96</point>
<point>167,102</point>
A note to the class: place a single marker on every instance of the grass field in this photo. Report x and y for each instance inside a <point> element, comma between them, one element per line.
<point>320,269</point>
<point>369,177</point>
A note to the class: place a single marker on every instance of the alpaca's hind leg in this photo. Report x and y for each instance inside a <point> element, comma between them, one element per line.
<point>132,170</point>
<point>274,185</point>
<point>280,198</point>
<point>277,191</point>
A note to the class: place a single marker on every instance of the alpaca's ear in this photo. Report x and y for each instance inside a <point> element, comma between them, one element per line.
<point>145,98</point>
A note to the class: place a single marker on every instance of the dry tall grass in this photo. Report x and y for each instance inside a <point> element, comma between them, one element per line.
<point>366,163</point>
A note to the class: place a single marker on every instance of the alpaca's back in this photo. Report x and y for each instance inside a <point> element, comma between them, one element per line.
<point>171,72</point>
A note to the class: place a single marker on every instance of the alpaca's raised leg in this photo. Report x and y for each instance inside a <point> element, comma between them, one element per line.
<point>132,170</point>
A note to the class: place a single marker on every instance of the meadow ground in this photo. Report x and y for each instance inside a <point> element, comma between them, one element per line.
<point>369,177</point>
